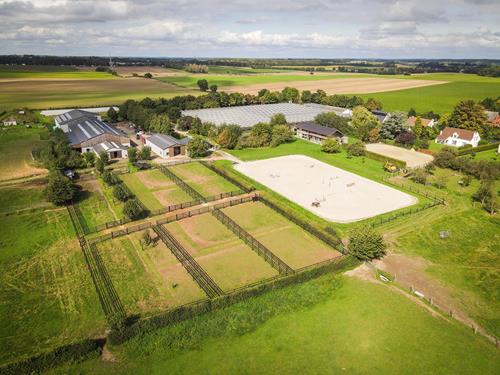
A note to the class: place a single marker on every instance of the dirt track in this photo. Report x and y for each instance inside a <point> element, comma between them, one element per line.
<point>339,85</point>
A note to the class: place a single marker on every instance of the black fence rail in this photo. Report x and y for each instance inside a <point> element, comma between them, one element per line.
<point>414,189</point>
<point>255,245</point>
<point>227,177</point>
<point>75,220</point>
<point>410,211</point>
<point>188,189</point>
<point>192,267</point>
<point>330,240</point>
<point>224,195</point>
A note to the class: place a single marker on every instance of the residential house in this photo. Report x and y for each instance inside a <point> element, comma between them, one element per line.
<point>315,133</point>
<point>493,118</point>
<point>381,115</point>
<point>166,146</point>
<point>86,132</point>
<point>458,137</point>
<point>425,122</point>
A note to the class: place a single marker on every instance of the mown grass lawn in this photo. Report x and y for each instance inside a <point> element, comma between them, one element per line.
<point>48,298</point>
<point>324,326</point>
<point>21,198</point>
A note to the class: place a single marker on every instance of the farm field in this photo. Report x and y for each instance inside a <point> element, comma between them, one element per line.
<point>154,189</point>
<point>47,294</point>
<point>225,257</point>
<point>202,179</point>
<point>154,280</point>
<point>16,144</point>
<point>292,244</point>
<point>322,326</point>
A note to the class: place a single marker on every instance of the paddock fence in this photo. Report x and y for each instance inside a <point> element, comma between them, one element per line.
<point>179,182</point>
<point>229,178</point>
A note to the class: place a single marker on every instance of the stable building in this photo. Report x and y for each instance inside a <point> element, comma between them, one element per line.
<point>458,137</point>
<point>315,133</point>
<point>86,132</point>
<point>166,146</point>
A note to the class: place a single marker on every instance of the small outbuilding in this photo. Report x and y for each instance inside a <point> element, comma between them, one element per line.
<point>312,132</point>
<point>166,146</point>
<point>10,122</point>
<point>458,137</point>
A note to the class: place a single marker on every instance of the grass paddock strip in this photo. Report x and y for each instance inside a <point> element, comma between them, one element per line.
<point>188,189</point>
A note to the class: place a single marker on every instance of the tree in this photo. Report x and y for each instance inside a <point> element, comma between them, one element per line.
<point>281,134</point>
<point>228,137</point>
<point>213,88</point>
<point>332,120</point>
<point>148,75</point>
<point>440,181</point>
<point>202,84</point>
<point>290,94</point>
<point>161,124</point>
<point>418,128</point>
<point>132,154</point>
<point>145,153</point>
<point>103,155</point>
<point>356,149</point>
<point>261,134</point>
<point>99,165</point>
<point>60,189</point>
<point>405,138</point>
<point>112,114</point>
<point>109,178</point>
<point>412,112</point>
<point>373,104</point>
<point>121,193</point>
<point>132,209</point>
<point>331,146</point>
<point>395,124</point>
<point>89,158</point>
<point>363,122</point>
<point>467,114</point>
<point>278,119</point>
<point>306,96</point>
<point>484,191</point>
<point>366,244</point>
<point>420,176</point>
<point>491,205</point>
<point>197,147</point>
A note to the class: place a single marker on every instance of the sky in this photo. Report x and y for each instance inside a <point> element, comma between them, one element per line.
<point>257,28</point>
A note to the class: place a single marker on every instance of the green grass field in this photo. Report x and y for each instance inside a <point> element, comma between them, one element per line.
<point>491,155</point>
<point>202,179</point>
<point>47,294</point>
<point>154,189</point>
<point>226,258</point>
<point>22,198</point>
<point>93,205</point>
<point>325,326</point>
<point>286,240</point>
<point>16,144</point>
<point>241,70</point>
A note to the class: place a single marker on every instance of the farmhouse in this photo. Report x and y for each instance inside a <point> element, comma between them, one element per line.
<point>315,133</point>
<point>425,122</point>
<point>381,115</point>
<point>86,132</point>
<point>166,146</point>
<point>458,137</point>
<point>248,116</point>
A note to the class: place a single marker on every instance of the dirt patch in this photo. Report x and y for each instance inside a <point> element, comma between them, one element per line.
<point>163,196</point>
<point>152,183</point>
<point>338,86</point>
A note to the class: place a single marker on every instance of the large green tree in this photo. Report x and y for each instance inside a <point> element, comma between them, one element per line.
<point>332,120</point>
<point>363,122</point>
<point>366,244</point>
<point>197,147</point>
<point>394,125</point>
<point>228,136</point>
<point>161,124</point>
<point>60,189</point>
<point>470,115</point>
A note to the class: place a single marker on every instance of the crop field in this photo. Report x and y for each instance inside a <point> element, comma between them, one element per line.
<point>202,179</point>
<point>288,241</point>
<point>47,295</point>
<point>154,189</point>
<point>225,257</point>
<point>154,280</point>
<point>16,144</point>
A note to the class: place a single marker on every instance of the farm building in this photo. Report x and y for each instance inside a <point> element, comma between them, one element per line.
<point>248,116</point>
<point>425,122</point>
<point>315,133</point>
<point>166,146</point>
<point>10,122</point>
<point>86,132</point>
<point>381,115</point>
<point>458,137</point>
<point>493,118</point>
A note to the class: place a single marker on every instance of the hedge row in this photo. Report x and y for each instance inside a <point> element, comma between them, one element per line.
<point>383,158</point>
<point>67,353</point>
<point>470,150</point>
<point>188,311</point>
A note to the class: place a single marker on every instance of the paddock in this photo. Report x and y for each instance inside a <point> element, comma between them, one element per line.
<point>329,192</point>
<point>412,158</point>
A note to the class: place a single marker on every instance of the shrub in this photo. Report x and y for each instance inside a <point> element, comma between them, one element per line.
<point>121,193</point>
<point>103,155</point>
<point>356,149</point>
<point>99,165</point>
<point>197,147</point>
<point>132,154</point>
<point>440,182</point>
<point>109,178</point>
<point>228,137</point>
<point>420,176</point>
<point>89,158</point>
<point>366,244</point>
<point>132,209</point>
<point>145,153</point>
<point>60,189</point>
<point>331,146</point>
<point>281,134</point>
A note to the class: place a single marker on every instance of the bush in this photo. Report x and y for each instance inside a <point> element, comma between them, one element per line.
<point>103,155</point>
<point>145,153</point>
<point>89,158</point>
<point>366,244</point>
<point>331,146</point>
<point>132,209</point>
<point>356,149</point>
<point>60,189</point>
<point>109,178</point>
<point>121,193</point>
<point>197,147</point>
<point>99,165</point>
<point>132,154</point>
<point>420,176</point>
<point>281,134</point>
<point>228,137</point>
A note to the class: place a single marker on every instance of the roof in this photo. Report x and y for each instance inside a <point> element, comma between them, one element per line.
<point>412,119</point>
<point>72,115</point>
<point>491,115</point>
<point>462,134</point>
<point>249,115</point>
<point>381,115</point>
<point>108,146</point>
<point>85,128</point>
<point>318,129</point>
<point>164,141</point>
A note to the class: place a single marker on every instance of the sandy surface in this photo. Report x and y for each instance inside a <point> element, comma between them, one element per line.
<point>338,86</point>
<point>343,196</point>
<point>412,158</point>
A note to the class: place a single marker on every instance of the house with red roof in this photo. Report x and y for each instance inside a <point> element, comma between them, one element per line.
<point>425,122</point>
<point>458,137</point>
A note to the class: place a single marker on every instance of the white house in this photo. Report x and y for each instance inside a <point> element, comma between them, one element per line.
<point>166,146</point>
<point>10,122</point>
<point>458,137</point>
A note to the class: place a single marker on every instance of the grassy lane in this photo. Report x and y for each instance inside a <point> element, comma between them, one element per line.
<point>323,326</point>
